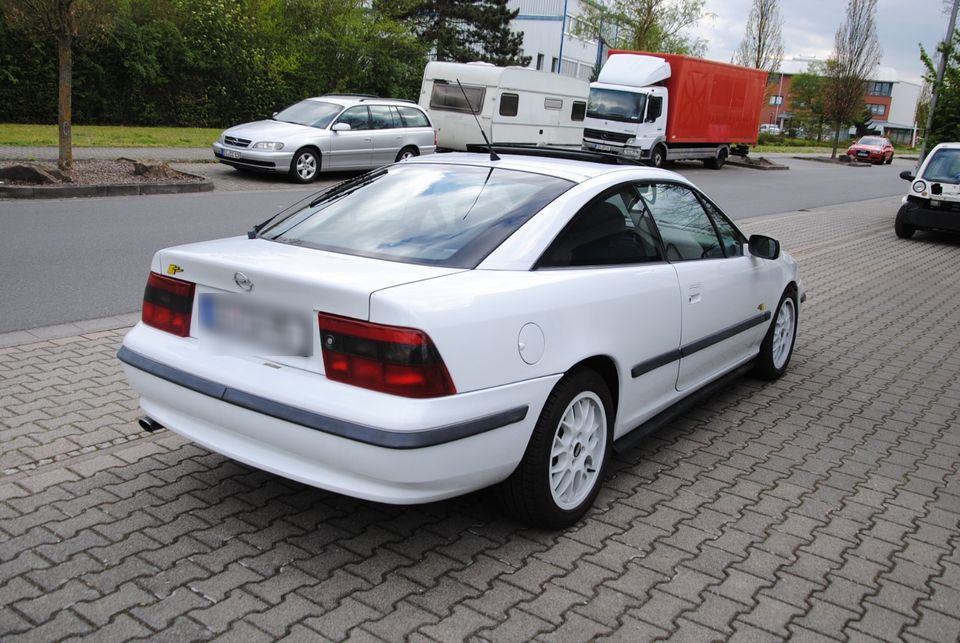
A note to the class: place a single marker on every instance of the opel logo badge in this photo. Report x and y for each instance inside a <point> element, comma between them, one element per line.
<point>243,281</point>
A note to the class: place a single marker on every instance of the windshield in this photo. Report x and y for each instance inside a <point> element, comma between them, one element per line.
<point>313,113</point>
<point>434,214</point>
<point>871,140</point>
<point>616,105</point>
<point>944,167</point>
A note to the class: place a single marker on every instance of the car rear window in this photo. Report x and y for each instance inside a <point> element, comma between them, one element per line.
<point>427,213</point>
<point>413,117</point>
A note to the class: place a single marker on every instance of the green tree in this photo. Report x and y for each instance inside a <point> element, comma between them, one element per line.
<point>806,99</point>
<point>644,25</point>
<point>856,53</point>
<point>946,116</point>
<point>64,21</point>
<point>464,30</point>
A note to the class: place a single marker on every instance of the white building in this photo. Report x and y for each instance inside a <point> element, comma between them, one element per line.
<point>549,38</point>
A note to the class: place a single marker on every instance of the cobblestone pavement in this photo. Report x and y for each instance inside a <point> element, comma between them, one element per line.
<point>824,506</point>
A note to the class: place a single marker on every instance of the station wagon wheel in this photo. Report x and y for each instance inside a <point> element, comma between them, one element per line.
<point>562,469</point>
<point>407,153</point>
<point>777,346</point>
<point>305,165</point>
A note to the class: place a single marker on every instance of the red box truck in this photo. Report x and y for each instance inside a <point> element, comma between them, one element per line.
<point>656,107</point>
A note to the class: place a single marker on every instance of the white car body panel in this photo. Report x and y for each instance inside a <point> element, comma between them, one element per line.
<point>506,332</point>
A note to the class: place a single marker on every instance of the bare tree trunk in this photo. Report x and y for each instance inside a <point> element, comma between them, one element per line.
<point>65,87</point>
<point>836,140</point>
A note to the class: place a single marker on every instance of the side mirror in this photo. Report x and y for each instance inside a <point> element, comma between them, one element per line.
<point>764,247</point>
<point>907,175</point>
<point>341,127</point>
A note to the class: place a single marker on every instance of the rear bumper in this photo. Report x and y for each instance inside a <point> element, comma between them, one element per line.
<point>258,160</point>
<point>299,425</point>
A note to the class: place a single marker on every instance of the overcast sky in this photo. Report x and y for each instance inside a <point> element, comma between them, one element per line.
<point>809,27</point>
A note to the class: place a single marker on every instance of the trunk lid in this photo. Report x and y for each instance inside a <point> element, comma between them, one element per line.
<point>274,276</point>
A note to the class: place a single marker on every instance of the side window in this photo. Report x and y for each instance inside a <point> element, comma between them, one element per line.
<point>449,96</point>
<point>356,118</point>
<point>732,239</point>
<point>553,103</point>
<point>381,117</point>
<point>413,117</point>
<point>654,108</point>
<point>578,110</point>
<point>509,104</point>
<point>684,226</point>
<point>603,233</point>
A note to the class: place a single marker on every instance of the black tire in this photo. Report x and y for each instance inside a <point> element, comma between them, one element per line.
<point>774,357</point>
<point>658,156</point>
<point>903,229</point>
<point>407,153</point>
<point>305,165</point>
<point>528,493</point>
<point>890,160</point>
<point>717,162</point>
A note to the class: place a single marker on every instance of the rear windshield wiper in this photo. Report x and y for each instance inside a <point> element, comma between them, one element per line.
<point>334,191</point>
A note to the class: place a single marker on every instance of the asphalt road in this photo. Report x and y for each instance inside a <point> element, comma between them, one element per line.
<point>75,259</point>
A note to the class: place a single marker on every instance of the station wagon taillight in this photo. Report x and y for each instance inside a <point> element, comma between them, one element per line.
<point>167,304</point>
<point>389,359</point>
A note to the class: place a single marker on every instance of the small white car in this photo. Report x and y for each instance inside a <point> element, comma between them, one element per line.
<point>933,200</point>
<point>330,133</point>
<point>454,322</point>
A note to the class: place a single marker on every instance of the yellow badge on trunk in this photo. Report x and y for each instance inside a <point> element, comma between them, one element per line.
<point>173,269</point>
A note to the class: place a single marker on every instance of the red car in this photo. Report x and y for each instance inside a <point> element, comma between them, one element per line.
<point>872,149</point>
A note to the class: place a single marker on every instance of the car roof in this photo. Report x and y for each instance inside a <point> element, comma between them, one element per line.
<point>349,100</point>
<point>569,169</point>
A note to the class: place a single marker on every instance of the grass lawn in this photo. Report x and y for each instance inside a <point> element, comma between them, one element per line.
<point>109,136</point>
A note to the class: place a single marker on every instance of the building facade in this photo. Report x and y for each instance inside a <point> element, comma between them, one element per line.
<point>550,37</point>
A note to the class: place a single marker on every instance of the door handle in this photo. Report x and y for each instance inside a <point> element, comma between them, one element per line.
<point>693,294</point>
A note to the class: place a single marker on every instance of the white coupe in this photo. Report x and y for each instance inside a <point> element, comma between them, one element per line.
<point>453,322</point>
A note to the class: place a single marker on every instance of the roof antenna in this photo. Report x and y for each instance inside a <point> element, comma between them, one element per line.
<point>493,155</point>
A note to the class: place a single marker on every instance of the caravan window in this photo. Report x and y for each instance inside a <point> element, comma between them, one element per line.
<point>449,96</point>
<point>509,104</point>
<point>578,110</point>
<point>552,103</point>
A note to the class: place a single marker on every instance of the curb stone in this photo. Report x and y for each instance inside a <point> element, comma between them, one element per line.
<point>116,189</point>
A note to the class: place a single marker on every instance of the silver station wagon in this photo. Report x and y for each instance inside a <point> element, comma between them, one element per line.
<point>331,132</point>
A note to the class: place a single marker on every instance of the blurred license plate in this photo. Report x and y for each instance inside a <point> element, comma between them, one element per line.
<point>862,153</point>
<point>231,154</point>
<point>237,325</point>
<point>605,148</point>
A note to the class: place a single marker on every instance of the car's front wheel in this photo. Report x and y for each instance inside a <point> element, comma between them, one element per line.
<point>900,226</point>
<point>305,165</point>
<point>562,469</point>
<point>890,160</point>
<point>777,346</point>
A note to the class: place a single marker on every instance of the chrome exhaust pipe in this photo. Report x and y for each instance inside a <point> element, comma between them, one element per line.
<point>149,424</point>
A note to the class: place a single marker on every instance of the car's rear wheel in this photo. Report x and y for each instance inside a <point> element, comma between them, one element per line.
<point>903,229</point>
<point>407,153</point>
<point>562,469</point>
<point>305,165</point>
<point>777,346</point>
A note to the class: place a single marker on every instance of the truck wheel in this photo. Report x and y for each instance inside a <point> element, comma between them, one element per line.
<point>658,156</point>
<point>717,162</point>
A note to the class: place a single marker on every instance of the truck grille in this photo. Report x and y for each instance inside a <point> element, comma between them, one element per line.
<point>612,137</point>
<point>237,142</point>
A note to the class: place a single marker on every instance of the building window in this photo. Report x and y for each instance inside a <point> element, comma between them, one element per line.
<point>553,65</point>
<point>877,88</point>
<point>776,100</point>
<point>877,109</point>
<point>539,62</point>
<point>509,104</point>
<point>568,68</point>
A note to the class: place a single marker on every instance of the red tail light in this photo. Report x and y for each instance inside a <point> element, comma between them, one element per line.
<point>389,359</point>
<point>167,304</point>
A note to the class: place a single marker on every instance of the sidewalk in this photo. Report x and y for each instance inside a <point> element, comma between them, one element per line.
<point>17,153</point>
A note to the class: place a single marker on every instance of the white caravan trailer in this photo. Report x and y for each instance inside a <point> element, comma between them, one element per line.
<point>514,105</point>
